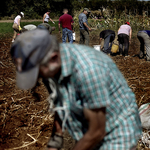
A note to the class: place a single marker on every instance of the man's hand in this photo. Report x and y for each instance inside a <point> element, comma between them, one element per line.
<point>87,26</point>
<point>96,132</point>
<point>57,136</point>
<point>55,142</point>
<point>90,29</point>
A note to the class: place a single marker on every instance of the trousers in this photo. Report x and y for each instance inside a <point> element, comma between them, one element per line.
<point>123,41</point>
<point>84,37</point>
<point>66,32</point>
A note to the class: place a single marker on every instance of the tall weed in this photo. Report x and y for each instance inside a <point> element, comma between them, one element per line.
<point>114,20</point>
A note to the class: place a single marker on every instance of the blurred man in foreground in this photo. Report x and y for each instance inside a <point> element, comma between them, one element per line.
<point>91,97</point>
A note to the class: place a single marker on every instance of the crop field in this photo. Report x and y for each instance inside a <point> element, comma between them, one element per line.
<point>25,122</point>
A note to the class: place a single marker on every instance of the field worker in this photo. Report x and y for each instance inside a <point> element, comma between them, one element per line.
<point>28,27</point>
<point>124,37</point>
<point>46,26</point>
<point>108,36</point>
<point>91,97</point>
<point>83,27</point>
<point>16,25</point>
<point>144,38</point>
<point>66,21</point>
<point>46,17</point>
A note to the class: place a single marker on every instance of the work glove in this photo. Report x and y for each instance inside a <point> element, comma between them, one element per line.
<point>55,141</point>
<point>20,28</point>
<point>53,22</point>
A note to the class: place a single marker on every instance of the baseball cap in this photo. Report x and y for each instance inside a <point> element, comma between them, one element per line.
<point>127,23</point>
<point>86,9</point>
<point>30,47</point>
<point>22,14</point>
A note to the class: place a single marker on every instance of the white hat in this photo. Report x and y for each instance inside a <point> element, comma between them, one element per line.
<point>22,14</point>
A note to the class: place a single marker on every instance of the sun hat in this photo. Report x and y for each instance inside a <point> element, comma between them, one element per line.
<point>22,14</point>
<point>31,47</point>
<point>86,9</point>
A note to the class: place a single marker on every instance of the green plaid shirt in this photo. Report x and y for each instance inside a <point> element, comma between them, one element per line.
<point>90,79</point>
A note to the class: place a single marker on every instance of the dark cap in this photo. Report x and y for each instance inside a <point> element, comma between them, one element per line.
<point>86,9</point>
<point>45,26</point>
<point>30,47</point>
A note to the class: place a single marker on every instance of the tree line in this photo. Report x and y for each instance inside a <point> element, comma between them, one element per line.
<point>34,9</point>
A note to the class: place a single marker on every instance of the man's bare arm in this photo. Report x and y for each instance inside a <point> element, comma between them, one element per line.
<point>51,20</point>
<point>130,35</point>
<point>100,40</point>
<point>57,129</point>
<point>44,17</point>
<point>87,26</point>
<point>59,27</point>
<point>19,22</point>
<point>72,27</point>
<point>96,131</point>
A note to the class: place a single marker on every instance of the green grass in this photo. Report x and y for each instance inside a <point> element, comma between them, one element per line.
<point>6,28</point>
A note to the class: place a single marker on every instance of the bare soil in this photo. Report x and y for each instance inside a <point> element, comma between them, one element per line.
<point>25,122</point>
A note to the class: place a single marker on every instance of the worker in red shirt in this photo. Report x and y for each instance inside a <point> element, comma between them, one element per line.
<point>66,21</point>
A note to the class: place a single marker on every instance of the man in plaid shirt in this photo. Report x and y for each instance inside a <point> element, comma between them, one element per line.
<point>91,97</point>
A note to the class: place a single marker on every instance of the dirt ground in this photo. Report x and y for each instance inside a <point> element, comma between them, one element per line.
<point>24,119</point>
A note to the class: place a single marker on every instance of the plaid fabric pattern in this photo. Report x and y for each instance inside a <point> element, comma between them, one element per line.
<point>90,79</point>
